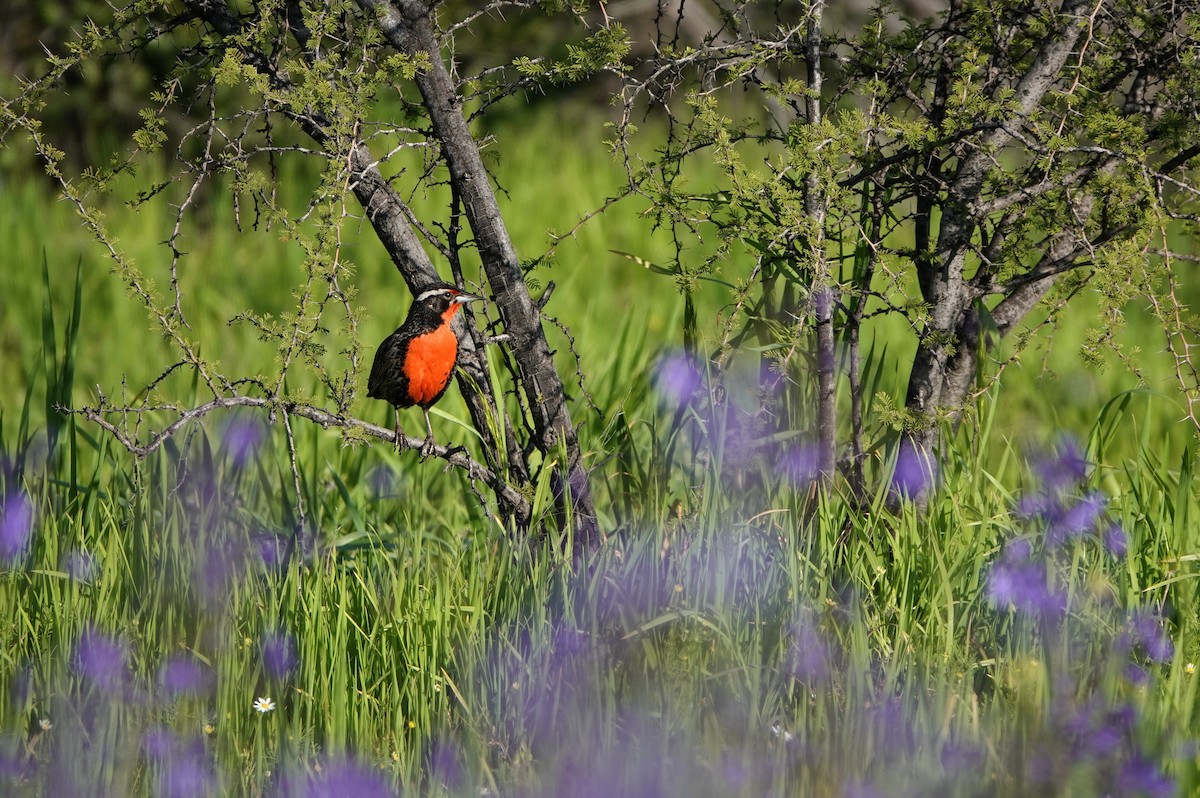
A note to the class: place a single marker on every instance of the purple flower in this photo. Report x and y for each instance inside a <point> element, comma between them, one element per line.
<point>158,742</point>
<point>1147,633</point>
<point>81,566</point>
<point>279,655</point>
<point>809,652</point>
<point>1097,733</point>
<point>1079,518</point>
<point>341,778</point>
<point>101,659</point>
<point>184,674</point>
<point>915,472</point>
<point>183,770</point>
<point>16,527</point>
<point>1022,582</point>
<point>1116,541</point>
<point>1103,741</point>
<point>892,721</point>
<point>443,765</point>
<point>244,436</point>
<point>1065,468</point>
<point>1139,776</point>
<point>271,548</point>
<point>1136,674</point>
<point>186,775</point>
<point>800,464</point>
<point>1038,505</point>
<point>677,378</point>
<point>14,764</point>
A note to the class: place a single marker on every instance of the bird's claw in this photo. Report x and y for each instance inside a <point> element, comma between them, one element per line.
<point>427,449</point>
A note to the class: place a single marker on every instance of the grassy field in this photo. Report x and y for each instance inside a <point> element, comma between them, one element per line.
<point>1031,632</point>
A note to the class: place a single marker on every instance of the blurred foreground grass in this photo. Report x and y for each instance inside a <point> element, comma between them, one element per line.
<point>1014,639</point>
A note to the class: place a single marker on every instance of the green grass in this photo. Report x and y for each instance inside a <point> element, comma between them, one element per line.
<point>736,635</point>
<point>669,653</point>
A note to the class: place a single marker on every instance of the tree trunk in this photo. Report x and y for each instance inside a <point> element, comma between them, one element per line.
<point>944,365</point>
<point>944,378</point>
<point>407,27</point>
<point>816,207</point>
<point>387,214</point>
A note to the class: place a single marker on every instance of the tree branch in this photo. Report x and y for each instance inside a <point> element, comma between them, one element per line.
<point>454,456</point>
<point>390,218</point>
<point>407,26</point>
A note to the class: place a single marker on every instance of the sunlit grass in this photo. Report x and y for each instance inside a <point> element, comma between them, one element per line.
<point>796,650</point>
<point>738,634</point>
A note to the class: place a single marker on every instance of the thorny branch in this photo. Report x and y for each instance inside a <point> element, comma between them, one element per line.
<point>275,58</point>
<point>1020,166</point>
<point>1181,330</point>
<point>454,456</point>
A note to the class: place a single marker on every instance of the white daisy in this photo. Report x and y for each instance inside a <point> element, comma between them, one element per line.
<point>264,704</point>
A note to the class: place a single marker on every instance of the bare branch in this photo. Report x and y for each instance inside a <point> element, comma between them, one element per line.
<point>454,456</point>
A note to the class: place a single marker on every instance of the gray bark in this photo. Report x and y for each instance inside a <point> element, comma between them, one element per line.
<point>946,358</point>
<point>388,217</point>
<point>407,26</point>
<point>816,207</point>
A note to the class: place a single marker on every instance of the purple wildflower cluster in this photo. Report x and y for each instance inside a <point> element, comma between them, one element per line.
<point>1059,505</point>
<point>181,767</point>
<point>16,527</point>
<point>1059,511</point>
<point>1096,739</point>
<point>177,763</point>
<point>336,778</point>
<point>1145,636</point>
<point>185,675</point>
<point>243,437</point>
<point>102,660</point>
<point>1095,742</point>
<point>677,378</point>
<point>916,471</point>
<point>111,700</point>
<point>1023,580</point>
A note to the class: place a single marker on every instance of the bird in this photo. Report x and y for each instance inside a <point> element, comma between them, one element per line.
<point>414,364</point>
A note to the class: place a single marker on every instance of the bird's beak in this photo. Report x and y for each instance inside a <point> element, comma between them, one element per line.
<point>463,299</point>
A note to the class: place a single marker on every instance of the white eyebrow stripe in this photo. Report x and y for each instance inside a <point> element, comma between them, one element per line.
<point>431,292</point>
